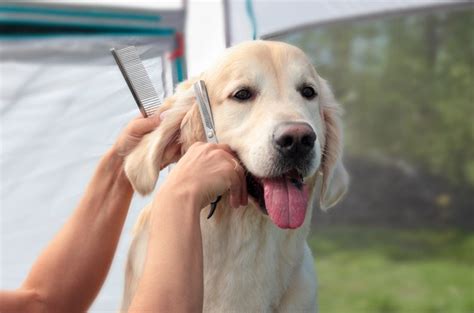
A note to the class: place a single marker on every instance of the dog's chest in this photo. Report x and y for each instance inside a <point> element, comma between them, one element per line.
<point>248,262</point>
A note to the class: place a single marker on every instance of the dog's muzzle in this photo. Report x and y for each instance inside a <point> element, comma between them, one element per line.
<point>294,142</point>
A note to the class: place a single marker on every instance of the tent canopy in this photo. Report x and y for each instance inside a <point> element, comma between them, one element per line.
<point>274,17</point>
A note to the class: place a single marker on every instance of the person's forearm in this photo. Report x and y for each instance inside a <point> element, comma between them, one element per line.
<point>69,273</point>
<point>172,279</point>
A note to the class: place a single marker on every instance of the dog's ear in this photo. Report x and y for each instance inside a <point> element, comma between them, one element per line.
<point>166,143</point>
<point>335,178</point>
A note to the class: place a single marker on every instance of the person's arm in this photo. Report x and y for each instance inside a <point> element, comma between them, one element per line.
<point>172,279</point>
<point>69,273</point>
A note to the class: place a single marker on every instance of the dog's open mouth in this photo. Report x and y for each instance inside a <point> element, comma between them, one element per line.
<point>283,198</point>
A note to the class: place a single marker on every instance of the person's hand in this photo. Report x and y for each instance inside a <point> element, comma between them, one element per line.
<point>207,171</point>
<point>134,132</point>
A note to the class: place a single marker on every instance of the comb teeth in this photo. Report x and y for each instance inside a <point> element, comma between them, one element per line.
<point>137,79</point>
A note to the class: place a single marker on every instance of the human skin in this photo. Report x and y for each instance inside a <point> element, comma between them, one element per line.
<point>172,279</point>
<point>69,273</point>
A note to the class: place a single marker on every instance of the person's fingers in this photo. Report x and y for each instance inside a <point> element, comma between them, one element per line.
<point>216,169</point>
<point>235,186</point>
<point>238,167</point>
<point>238,192</point>
<point>163,114</point>
<point>241,176</point>
<point>224,147</point>
<point>238,189</point>
<point>140,126</point>
<point>243,184</point>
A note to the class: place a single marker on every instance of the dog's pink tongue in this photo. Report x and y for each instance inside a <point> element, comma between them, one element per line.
<point>285,203</point>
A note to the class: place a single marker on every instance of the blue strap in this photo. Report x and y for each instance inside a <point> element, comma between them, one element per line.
<point>253,19</point>
<point>77,12</point>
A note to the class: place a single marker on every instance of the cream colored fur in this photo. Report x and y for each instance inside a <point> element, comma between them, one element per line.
<point>250,265</point>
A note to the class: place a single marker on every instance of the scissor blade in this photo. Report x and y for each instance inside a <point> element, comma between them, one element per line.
<point>205,109</point>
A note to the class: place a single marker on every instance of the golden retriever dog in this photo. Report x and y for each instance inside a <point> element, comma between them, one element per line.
<point>272,108</point>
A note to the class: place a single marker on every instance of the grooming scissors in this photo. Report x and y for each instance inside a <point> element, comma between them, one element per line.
<point>207,123</point>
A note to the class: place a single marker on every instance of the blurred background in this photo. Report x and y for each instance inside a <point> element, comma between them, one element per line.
<point>401,241</point>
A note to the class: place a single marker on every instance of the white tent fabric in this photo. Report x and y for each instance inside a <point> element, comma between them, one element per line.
<point>63,102</point>
<point>273,17</point>
<point>51,140</point>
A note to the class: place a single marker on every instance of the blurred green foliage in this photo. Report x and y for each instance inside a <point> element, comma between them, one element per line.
<point>406,83</point>
<point>379,270</point>
<point>407,86</point>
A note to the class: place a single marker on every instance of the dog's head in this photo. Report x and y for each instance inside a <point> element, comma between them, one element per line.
<point>271,107</point>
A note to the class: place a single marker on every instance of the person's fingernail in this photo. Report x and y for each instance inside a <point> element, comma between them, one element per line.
<point>163,115</point>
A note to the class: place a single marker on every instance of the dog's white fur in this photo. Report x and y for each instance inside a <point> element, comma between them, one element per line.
<point>250,265</point>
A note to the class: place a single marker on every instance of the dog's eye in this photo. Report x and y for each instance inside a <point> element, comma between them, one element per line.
<point>242,95</point>
<point>308,92</point>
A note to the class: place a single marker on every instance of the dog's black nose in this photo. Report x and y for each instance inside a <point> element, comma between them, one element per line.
<point>294,139</point>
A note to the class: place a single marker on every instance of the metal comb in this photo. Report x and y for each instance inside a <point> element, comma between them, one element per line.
<point>137,79</point>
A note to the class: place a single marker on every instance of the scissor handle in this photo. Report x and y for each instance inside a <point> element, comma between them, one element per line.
<point>213,207</point>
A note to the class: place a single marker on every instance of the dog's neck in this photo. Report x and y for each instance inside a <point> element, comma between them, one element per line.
<point>243,245</point>
<point>230,231</point>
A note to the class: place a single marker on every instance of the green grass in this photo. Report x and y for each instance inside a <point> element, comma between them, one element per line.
<point>367,270</point>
